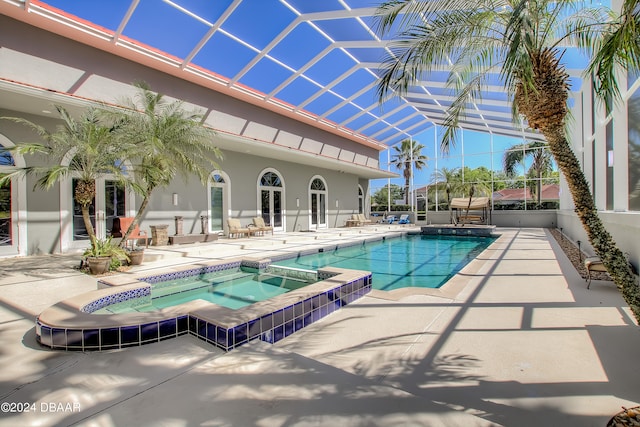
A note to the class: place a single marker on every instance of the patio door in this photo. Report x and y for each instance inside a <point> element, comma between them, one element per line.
<point>110,204</point>
<point>272,200</point>
<point>218,201</point>
<point>318,195</point>
<point>272,208</point>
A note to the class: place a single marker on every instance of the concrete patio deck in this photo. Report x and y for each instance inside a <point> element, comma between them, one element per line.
<point>515,339</point>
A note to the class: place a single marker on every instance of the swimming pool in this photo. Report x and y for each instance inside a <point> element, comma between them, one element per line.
<point>407,261</point>
<point>234,290</point>
<point>75,325</point>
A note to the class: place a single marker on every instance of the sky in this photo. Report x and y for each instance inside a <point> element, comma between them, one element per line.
<point>305,53</point>
<point>477,147</point>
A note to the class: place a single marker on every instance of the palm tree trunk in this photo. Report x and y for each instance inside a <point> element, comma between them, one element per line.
<point>88,225</point>
<point>136,219</point>
<point>407,180</point>
<point>602,242</point>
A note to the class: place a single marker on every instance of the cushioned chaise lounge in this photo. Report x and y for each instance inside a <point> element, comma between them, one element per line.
<point>363,219</point>
<point>260,226</point>
<point>236,229</point>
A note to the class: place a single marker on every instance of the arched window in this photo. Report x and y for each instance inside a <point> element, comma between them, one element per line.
<point>271,198</point>
<point>271,179</point>
<point>318,203</point>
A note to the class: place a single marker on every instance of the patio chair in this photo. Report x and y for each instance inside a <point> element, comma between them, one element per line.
<point>121,225</point>
<point>404,219</point>
<point>353,221</point>
<point>593,263</point>
<point>363,219</point>
<point>236,229</point>
<point>391,219</point>
<point>260,226</point>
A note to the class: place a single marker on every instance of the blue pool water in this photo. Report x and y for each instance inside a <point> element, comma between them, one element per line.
<point>409,261</point>
<point>233,290</point>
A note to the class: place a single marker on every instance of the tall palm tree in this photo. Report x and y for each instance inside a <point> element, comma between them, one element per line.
<point>541,161</point>
<point>408,153</point>
<point>90,140</point>
<point>523,40</point>
<point>170,141</point>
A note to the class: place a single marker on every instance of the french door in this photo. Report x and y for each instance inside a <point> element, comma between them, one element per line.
<point>110,197</point>
<point>271,207</point>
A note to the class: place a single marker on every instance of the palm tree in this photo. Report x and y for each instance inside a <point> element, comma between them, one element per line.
<point>541,161</point>
<point>523,40</point>
<point>170,141</point>
<point>620,47</point>
<point>447,180</point>
<point>90,140</point>
<point>408,153</point>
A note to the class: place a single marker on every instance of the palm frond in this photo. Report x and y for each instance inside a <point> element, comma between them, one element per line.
<point>620,48</point>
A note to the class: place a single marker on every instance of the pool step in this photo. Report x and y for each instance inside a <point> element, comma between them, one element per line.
<point>281,282</point>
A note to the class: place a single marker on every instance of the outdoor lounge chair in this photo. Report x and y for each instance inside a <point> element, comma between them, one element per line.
<point>259,225</point>
<point>404,219</point>
<point>363,219</point>
<point>354,221</point>
<point>391,218</point>
<point>236,229</point>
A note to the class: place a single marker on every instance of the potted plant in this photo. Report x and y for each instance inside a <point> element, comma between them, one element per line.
<point>135,256</point>
<point>99,256</point>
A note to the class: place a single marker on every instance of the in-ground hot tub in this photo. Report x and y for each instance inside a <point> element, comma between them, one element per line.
<point>74,324</point>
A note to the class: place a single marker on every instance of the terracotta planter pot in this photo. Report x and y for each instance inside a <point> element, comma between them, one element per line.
<point>136,257</point>
<point>98,265</point>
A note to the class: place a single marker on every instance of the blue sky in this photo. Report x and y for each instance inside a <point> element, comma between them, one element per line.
<point>477,148</point>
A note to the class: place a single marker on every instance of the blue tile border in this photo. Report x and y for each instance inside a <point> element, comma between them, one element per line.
<point>270,327</point>
<point>138,293</point>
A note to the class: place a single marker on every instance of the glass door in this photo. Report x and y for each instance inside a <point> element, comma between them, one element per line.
<point>216,210</point>
<point>318,195</point>
<point>271,208</point>
<point>111,204</point>
<point>272,200</point>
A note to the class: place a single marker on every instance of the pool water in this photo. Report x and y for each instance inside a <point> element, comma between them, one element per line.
<point>409,261</point>
<point>233,290</point>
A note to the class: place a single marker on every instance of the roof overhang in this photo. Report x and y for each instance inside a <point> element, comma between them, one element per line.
<point>38,101</point>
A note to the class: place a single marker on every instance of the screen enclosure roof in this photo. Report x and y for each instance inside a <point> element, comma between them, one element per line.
<point>317,61</point>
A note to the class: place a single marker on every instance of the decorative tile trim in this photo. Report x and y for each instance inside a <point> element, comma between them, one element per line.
<point>258,264</point>
<point>293,273</point>
<point>191,272</point>
<point>96,339</point>
<point>324,275</point>
<point>142,292</point>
